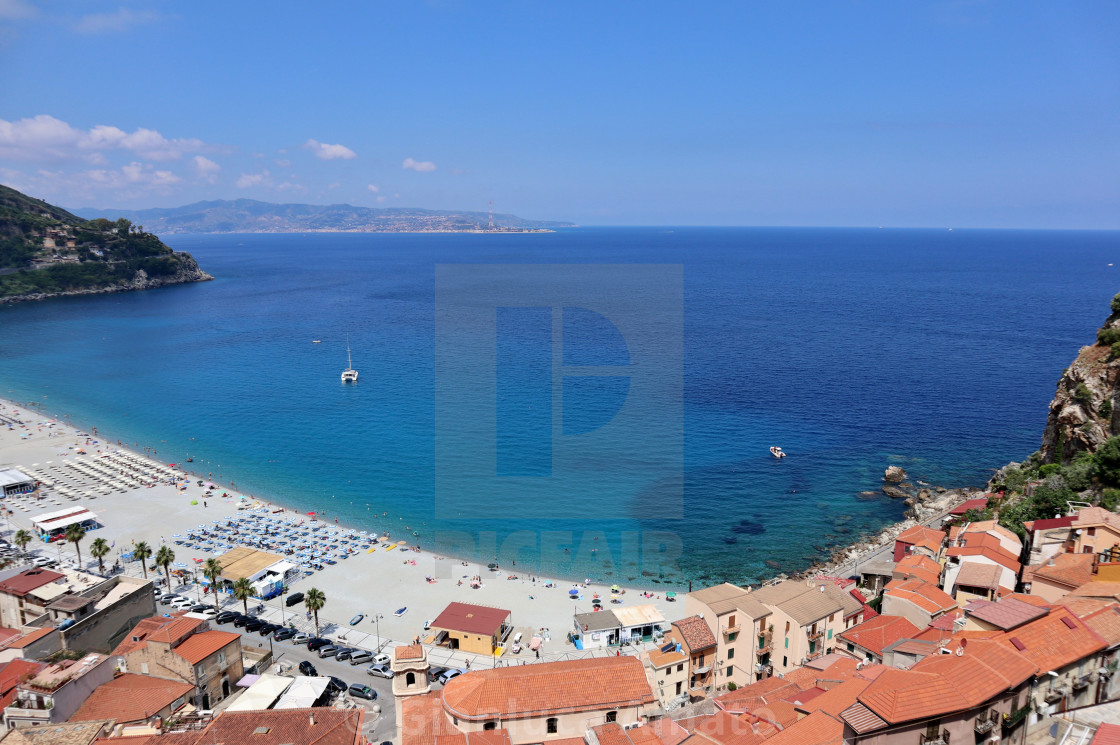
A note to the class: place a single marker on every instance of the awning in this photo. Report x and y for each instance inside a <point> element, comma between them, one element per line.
<point>303,693</point>
<point>248,680</point>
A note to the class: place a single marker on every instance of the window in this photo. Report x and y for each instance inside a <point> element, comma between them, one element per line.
<point>221,659</point>
<point>831,618</point>
<point>787,642</point>
<point>679,684</point>
<point>787,627</point>
<point>731,653</point>
<point>729,670</point>
<point>552,725</point>
<point>490,725</point>
<point>612,716</point>
<point>699,663</point>
<point>410,679</point>
<point>830,633</point>
<point>680,668</point>
<point>1092,532</point>
<point>731,618</point>
<point>851,647</point>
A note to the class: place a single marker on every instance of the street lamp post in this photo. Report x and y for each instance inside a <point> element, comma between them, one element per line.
<point>376,618</point>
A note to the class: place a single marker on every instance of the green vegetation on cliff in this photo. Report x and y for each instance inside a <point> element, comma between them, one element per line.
<point>45,250</point>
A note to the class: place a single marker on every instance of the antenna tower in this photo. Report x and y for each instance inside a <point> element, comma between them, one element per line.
<point>491,214</point>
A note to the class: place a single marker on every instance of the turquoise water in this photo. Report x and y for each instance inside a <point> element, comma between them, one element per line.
<point>852,349</point>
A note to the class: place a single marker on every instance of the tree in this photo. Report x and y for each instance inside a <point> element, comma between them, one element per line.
<point>1108,461</point>
<point>164,558</point>
<point>243,590</point>
<point>99,549</point>
<point>74,534</point>
<point>315,600</point>
<point>213,572</point>
<point>22,538</point>
<point>141,551</point>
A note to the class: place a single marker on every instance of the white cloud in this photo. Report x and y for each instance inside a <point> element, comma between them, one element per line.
<point>420,166</point>
<point>333,185</point>
<point>283,162</point>
<point>249,180</point>
<point>121,20</point>
<point>134,180</point>
<point>324,151</point>
<point>206,168</point>
<point>44,138</point>
<point>380,200</point>
<point>16,10</point>
<point>374,188</point>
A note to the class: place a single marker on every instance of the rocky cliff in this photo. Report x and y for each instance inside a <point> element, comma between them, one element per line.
<point>1081,415</point>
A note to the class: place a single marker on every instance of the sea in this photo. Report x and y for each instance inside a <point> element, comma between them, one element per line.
<point>662,362</point>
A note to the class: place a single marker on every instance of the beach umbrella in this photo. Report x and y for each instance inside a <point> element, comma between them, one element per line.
<point>573,592</point>
<point>615,588</point>
<point>670,594</point>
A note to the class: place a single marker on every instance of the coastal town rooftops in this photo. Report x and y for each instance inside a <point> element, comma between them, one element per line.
<point>59,674</point>
<point>874,635</point>
<point>66,733</point>
<point>1098,589</point>
<point>132,698</point>
<point>1032,599</point>
<point>979,503</point>
<point>919,566</point>
<point>23,641</point>
<point>818,728</point>
<point>993,528</point>
<point>1006,614</point>
<point>548,687</point>
<point>612,733</point>
<point>802,601</point>
<point>197,647</point>
<point>1106,623</point>
<point>749,697</point>
<point>1054,641</point>
<point>23,583</point>
<point>979,575</point>
<point>988,546</point>
<point>161,629</point>
<point>924,595</point>
<point>727,598</point>
<point>471,619</point>
<point>1107,734</point>
<point>1066,569</point>
<point>1035,526</point>
<point>1093,516</point>
<point>695,633</point>
<point>921,536</point>
<point>320,726</point>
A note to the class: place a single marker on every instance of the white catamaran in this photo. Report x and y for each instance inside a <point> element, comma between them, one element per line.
<point>349,375</point>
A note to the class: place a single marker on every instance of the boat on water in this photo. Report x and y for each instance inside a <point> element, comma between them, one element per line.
<point>316,341</point>
<point>349,375</point>
<point>777,452</point>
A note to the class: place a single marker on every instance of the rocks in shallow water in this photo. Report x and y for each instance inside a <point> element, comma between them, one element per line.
<point>894,492</point>
<point>894,474</point>
<point>730,539</point>
<point>747,527</point>
<point>773,564</point>
<point>909,502</point>
<point>867,495</point>
<point>905,485</point>
<point>924,495</point>
<point>941,490</point>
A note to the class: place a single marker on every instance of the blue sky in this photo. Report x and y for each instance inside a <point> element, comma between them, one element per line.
<point>963,113</point>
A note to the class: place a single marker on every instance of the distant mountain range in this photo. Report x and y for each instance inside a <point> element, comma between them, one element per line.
<point>251,216</point>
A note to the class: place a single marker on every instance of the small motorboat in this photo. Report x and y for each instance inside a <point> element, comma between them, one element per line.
<point>400,611</point>
<point>777,452</point>
<point>316,341</point>
<point>357,619</point>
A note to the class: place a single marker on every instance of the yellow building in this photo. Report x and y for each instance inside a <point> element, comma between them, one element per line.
<point>472,628</point>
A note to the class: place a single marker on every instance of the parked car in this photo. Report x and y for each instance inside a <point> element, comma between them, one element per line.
<point>181,604</point>
<point>226,616</point>
<point>344,653</point>
<point>301,638</point>
<point>269,628</point>
<point>336,685</point>
<point>435,671</point>
<point>200,607</point>
<point>450,674</point>
<point>283,634</point>
<point>315,643</point>
<point>306,668</point>
<point>241,619</point>
<point>382,658</point>
<point>255,624</point>
<point>358,690</point>
<point>208,612</point>
<point>383,671</point>
<point>327,650</point>
<point>360,656</point>
<point>294,599</point>
<point>167,597</point>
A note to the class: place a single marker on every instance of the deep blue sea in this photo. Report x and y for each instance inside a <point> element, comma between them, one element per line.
<point>851,349</point>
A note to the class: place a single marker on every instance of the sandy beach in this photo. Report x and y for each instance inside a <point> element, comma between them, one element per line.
<point>376,583</point>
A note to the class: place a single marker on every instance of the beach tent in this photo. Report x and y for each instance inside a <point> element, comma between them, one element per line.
<point>302,694</point>
<point>261,694</point>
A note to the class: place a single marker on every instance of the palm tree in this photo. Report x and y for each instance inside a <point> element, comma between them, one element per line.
<point>99,549</point>
<point>22,538</point>
<point>212,571</point>
<point>164,557</point>
<point>142,551</point>
<point>315,600</point>
<point>243,590</point>
<point>74,534</point>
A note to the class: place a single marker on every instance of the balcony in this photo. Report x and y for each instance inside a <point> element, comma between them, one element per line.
<point>1081,683</point>
<point>814,655</point>
<point>939,739</point>
<point>814,635</point>
<point>985,724</point>
<point>729,630</point>
<point>1054,695</point>
<point>1012,719</point>
<point>764,650</point>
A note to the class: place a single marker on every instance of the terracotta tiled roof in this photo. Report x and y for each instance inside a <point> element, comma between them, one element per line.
<point>426,719</point>
<point>24,640</point>
<point>668,731</point>
<point>1054,641</point>
<point>1107,734</point>
<point>994,529</point>
<point>471,619</point>
<point>880,631</point>
<point>131,698</point>
<point>862,719</point>
<point>10,675</point>
<point>1097,589</point>
<point>660,659</point>
<point>920,535</point>
<point>730,729</point>
<point>1091,516</point>
<point>695,632</point>
<point>929,598</point>
<point>197,647</point>
<point>25,582</point>
<point>552,687</point>
<point>176,630</point>
<point>979,575</point>
<point>837,698</point>
<point>499,736</point>
<point>154,628</point>
<point>919,566</point>
<point>409,652</point>
<point>1084,606</point>
<point>1106,623</point>
<point>1032,599</point>
<point>988,546</point>
<point>1070,570</point>
<point>1008,613</point>
<point>749,697</point>
<point>940,684</point>
<point>969,504</point>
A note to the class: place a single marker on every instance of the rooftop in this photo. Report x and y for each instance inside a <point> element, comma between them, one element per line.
<point>471,619</point>
<point>548,687</point>
<point>1106,623</point>
<point>1070,570</point>
<point>727,597</point>
<point>1106,734</point>
<point>926,596</point>
<point>132,698</point>
<point>1005,614</point>
<point>166,629</point>
<point>197,647</point>
<point>597,620</point>
<point>1053,641</point>
<point>695,633</point>
<point>32,579</point>
<point>920,535</point>
<point>919,566</point>
<point>979,575</point>
<point>59,674</point>
<point>67,733</point>
<point>988,546</point>
<point>879,632</point>
<point>1091,516</point>
<point>246,562</point>
<point>805,602</point>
